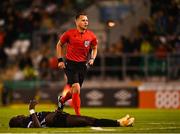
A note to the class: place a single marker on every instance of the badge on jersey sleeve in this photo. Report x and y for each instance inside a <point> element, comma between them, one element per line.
<point>86,43</point>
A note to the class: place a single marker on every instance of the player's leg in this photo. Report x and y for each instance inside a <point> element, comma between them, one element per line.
<point>76,101</point>
<point>79,78</point>
<point>71,71</point>
<point>66,95</point>
<point>123,122</point>
<point>64,98</point>
<point>81,74</point>
<point>81,121</point>
<point>69,75</point>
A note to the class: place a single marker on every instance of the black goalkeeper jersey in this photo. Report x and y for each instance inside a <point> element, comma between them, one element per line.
<point>41,117</point>
<point>59,120</point>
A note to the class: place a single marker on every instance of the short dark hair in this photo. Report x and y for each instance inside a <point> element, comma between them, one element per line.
<point>17,122</point>
<point>79,14</point>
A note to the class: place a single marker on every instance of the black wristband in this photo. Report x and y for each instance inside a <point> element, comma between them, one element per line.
<point>60,59</point>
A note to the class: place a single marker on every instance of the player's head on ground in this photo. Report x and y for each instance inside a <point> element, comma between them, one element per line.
<point>18,121</point>
<point>81,21</point>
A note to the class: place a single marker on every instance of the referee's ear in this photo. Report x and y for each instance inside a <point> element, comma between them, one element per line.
<point>76,22</point>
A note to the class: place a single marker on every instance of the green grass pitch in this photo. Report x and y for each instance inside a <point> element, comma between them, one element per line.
<point>147,120</point>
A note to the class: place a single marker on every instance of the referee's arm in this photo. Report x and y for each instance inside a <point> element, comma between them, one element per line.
<point>60,54</point>
<point>94,52</point>
<point>59,51</point>
<point>93,55</point>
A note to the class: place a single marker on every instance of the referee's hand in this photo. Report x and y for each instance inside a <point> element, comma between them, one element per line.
<point>91,62</point>
<point>61,65</point>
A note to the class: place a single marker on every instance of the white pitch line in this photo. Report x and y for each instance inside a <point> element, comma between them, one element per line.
<point>102,129</point>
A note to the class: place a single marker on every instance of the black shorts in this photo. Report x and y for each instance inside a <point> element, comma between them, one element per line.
<point>75,71</point>
<point>59,120</point>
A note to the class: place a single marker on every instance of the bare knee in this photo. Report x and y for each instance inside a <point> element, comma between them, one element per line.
<point>76,88</point>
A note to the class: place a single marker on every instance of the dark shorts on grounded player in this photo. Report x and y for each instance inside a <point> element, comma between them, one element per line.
<point>67,120</point>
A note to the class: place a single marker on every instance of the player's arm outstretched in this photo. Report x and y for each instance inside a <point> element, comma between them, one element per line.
<point>35,120</point>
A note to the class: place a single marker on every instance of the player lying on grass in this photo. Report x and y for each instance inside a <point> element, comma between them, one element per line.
<point>62,119</point>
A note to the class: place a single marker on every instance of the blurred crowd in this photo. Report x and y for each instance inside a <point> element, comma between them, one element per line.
<point>154,39</point>
<point>18,20</point>
<point>159,34</point>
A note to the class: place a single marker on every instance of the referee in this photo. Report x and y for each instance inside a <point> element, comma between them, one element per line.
<point>79,42</point>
